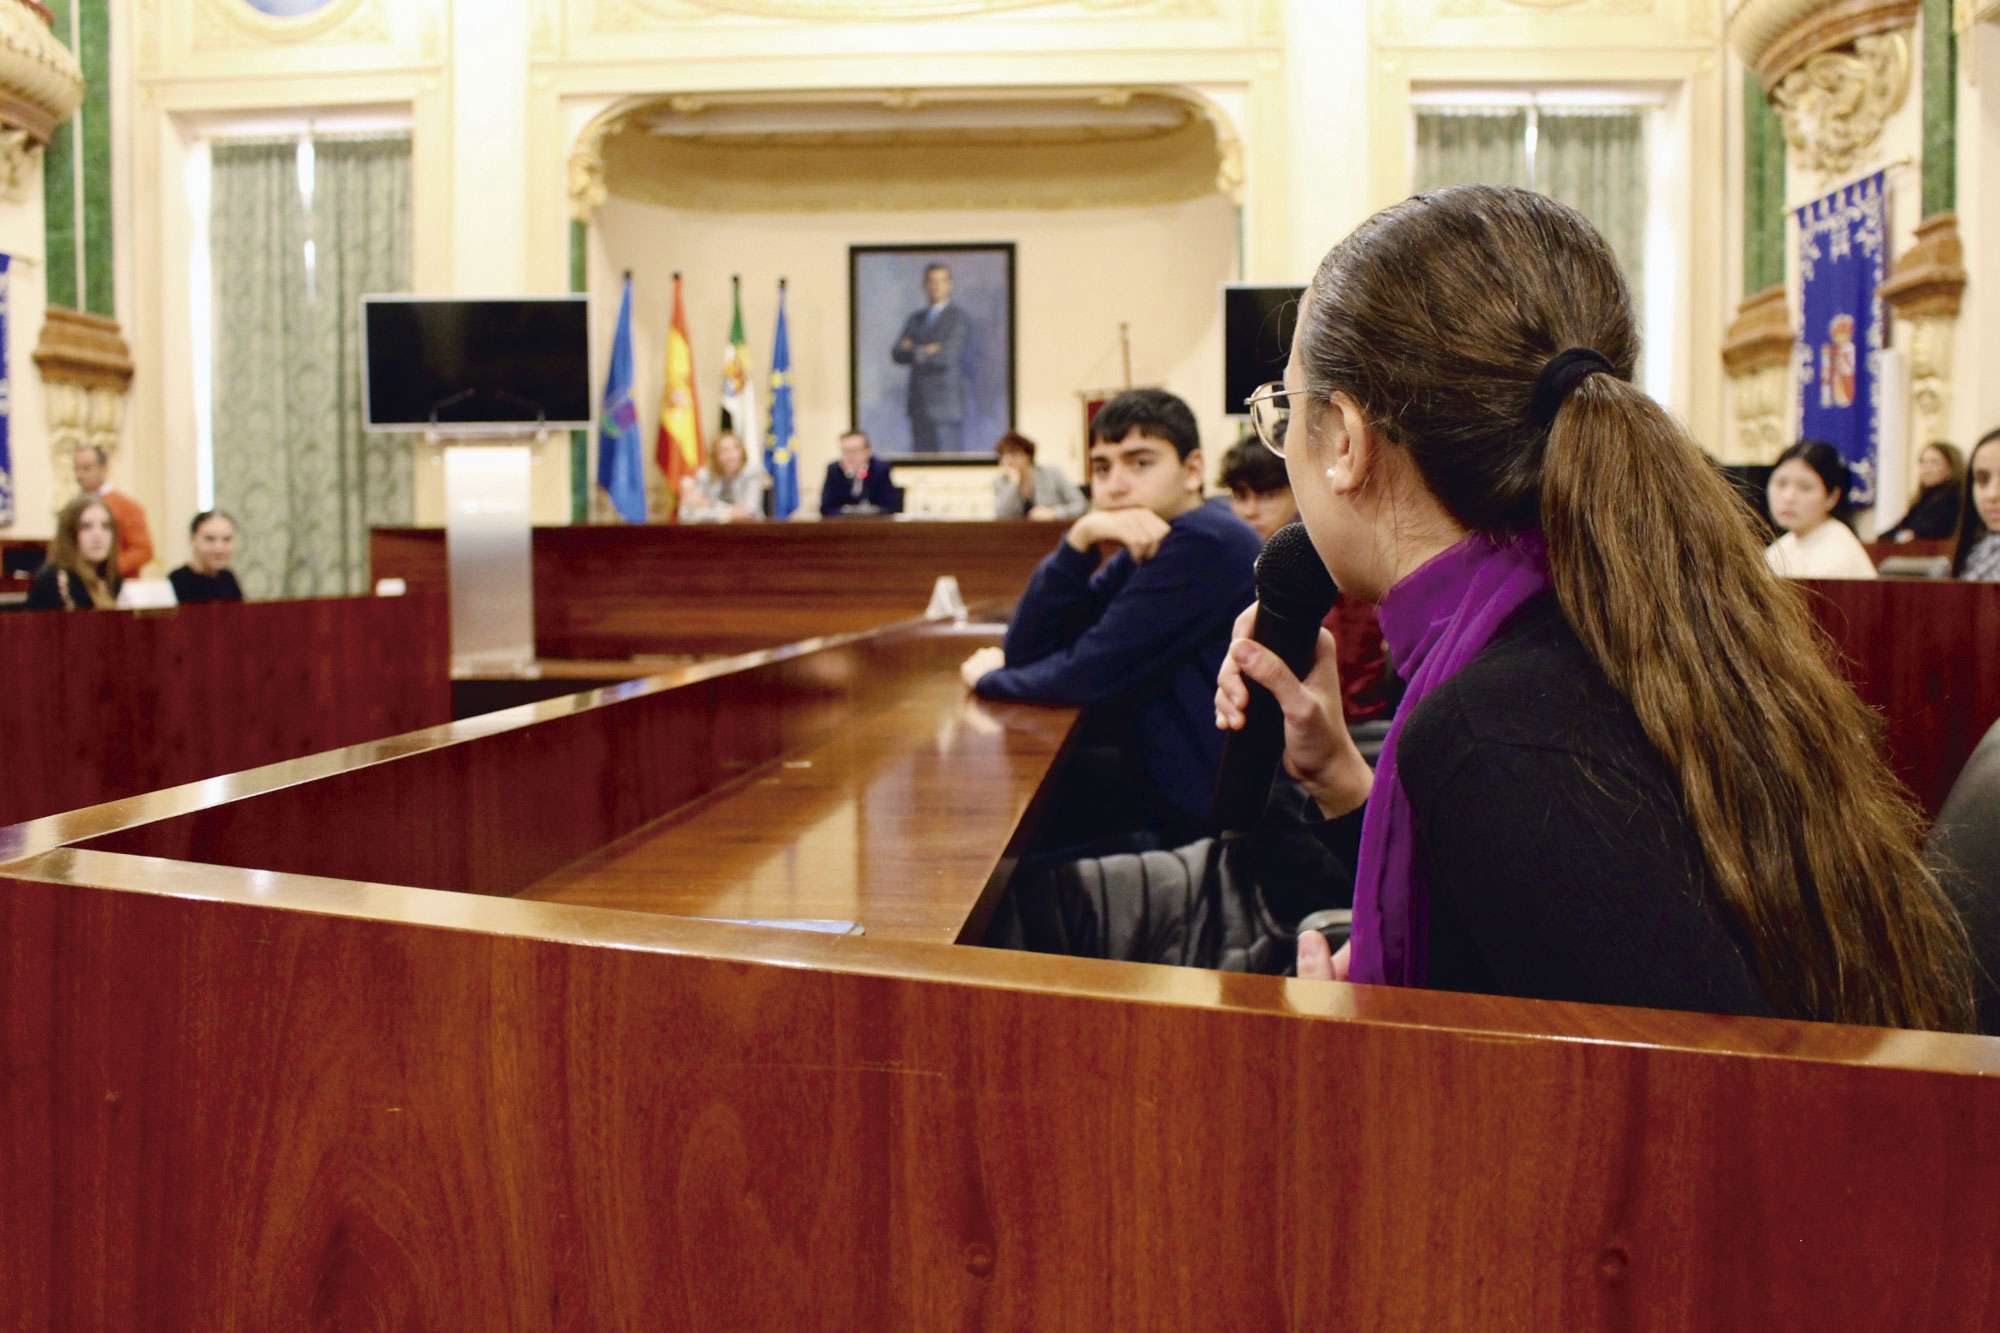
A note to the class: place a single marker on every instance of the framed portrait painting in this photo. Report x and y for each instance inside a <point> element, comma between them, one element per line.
<point>931,349</point>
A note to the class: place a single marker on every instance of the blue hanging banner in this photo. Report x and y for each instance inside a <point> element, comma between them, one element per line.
<point>1843,248</point>
<point>6,394</point>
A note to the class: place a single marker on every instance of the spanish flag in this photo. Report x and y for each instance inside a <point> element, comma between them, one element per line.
<point>679,446</point>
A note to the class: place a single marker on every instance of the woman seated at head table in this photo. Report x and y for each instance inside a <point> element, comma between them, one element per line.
<point>729,490</point>
<point>1977,557</point>
<point>1933,515</point>
<point>1574,803</point>
<point>1808,494</point>
<point>81,573</point>
<point>206,577</point>
<point>1025,489</point>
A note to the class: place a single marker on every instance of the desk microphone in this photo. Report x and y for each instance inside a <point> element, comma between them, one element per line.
<point>1294,595</point>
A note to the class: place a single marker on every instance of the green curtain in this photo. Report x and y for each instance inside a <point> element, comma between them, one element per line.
<point>304,481</point>
<point>1471,146</point>
<point>1595,161</point>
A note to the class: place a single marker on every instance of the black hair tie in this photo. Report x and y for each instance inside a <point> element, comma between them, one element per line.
<point>1559,379</point>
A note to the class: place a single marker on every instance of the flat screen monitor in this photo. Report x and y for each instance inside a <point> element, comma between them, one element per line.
<point>466,363</point>
<point>1256,339</point>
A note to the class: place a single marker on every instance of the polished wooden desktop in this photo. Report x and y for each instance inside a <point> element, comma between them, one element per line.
<point>421,1034</point>
<point>612,591</point>
<point>101,705</point>
<point>1925,654</point>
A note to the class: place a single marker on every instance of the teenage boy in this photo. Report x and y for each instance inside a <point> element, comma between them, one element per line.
<point>1141,638</point>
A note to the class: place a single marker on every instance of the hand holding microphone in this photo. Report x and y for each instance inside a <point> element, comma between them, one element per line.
<point>1279,692</point>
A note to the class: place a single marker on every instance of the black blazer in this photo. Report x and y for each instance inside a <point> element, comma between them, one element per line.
<point>874,487</point>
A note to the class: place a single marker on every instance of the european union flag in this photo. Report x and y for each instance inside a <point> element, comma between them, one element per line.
<point>620,467</point>
<point>779,459</point>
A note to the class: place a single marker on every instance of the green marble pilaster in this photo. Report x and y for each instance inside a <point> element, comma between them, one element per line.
<point>79,240</point>
<point>1940,66</point>
<point>1763,190</point>
<point>579,442</point>
<point>59,194</point>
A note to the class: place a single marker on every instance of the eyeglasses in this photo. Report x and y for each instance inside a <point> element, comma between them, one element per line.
<point>1270,413</point>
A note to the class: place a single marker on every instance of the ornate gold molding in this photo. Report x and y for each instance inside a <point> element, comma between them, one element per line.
<point>1775,37</point>
<point>40,81</point>
<point>1834,104</point>
<point>231,23</point>
<point>586,166</point>
<point>839,11</point>
<point>86,373</point>
<point>1929,278</point>
<point>1965,13</point>
<point>1761,336</point>
<point>1757,354</point>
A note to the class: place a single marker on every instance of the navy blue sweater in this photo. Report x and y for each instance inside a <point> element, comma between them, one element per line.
<point>1147,636</point>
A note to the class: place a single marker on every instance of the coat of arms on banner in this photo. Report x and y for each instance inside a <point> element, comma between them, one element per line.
<point>1843,249</point>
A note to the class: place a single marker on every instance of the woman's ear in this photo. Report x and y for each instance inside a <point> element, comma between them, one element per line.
<point>1350,446</point>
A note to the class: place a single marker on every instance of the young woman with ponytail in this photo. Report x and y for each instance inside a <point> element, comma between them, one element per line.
<point>1625,771</point>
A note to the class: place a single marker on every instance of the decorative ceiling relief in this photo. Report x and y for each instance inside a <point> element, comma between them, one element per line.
<point>623,12</point>
<point>1835,104</point>
<point>237,24</point>
<point>904,149</point>
<point>1500,8</point>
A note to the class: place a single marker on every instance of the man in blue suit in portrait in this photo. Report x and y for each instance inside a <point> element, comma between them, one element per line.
<point>933,346</point>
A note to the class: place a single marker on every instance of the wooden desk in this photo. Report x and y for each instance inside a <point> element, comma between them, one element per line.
<point>1925,654</point>
<point>613,591</point>
<point>246,1087</point>
<point>107,704</point>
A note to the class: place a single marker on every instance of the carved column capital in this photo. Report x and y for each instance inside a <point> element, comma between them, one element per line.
<point>86,373</point>
<point>1928,279</point>
<point>1761,336</point>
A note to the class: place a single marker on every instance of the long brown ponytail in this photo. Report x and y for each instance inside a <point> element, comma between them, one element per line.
<point>1436,316</point>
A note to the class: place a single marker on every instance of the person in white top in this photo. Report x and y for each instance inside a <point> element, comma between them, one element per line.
<point>1808,488</point>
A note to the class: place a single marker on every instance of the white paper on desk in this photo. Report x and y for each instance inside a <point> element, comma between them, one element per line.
<point>792,923</point>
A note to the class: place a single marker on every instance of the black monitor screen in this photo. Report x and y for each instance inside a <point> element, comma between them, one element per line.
<point>477,362</point>
<point>1256,339</point>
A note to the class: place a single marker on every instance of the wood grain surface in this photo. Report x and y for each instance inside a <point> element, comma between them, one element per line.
<point>109,704</point>
<point>851,779</point>
<point>1925,654</point>
<point>261,1102</point>
<point>613,591</point>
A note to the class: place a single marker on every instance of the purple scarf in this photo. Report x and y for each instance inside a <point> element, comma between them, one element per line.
<point>1434,621</point>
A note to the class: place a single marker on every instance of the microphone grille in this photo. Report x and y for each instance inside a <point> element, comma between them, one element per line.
<point>1290,575</point>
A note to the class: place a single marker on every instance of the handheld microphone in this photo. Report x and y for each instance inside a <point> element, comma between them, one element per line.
<point>1294,595</point>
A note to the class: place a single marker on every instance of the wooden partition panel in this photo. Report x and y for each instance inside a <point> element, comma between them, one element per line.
<point>278,1103</point>
<point>107,704</point>
<point>616,591</point>
<point>496,805</point>
<point>1926,655</point>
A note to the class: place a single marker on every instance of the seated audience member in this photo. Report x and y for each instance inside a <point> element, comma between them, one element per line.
<point>1933,515</point>
<point>82,569</point>
<point>729,490</point>
<point>1031,491</point>
<point>1025,490</point>
<point>1574,804</point>
<point>1259,490</point>
<point>1978,554</point>
<point>1143,634</point>
<point>1808,493</point>
<point>206,577</point>
<point>135,540</point>
<point>858,482</point>
<point>1261,495</point>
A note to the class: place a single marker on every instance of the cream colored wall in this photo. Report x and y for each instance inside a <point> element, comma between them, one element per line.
<point>1976,391</point>
<point>1672,46</point>
<point>1078,272</point>
<point>1313,96</point>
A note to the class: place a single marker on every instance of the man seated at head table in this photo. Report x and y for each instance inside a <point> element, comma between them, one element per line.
<point>857,482</point>
<point>1139,636</point>
<point>1026,489</point>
